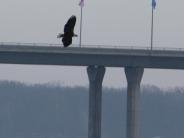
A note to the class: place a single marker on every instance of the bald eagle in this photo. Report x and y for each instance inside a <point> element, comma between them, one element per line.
<point>68,31</point>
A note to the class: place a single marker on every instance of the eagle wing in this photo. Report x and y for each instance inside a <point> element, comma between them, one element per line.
<point>69,26</point>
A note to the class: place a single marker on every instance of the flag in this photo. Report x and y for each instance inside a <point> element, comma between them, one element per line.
<point>153,4</point>
<point>81,3</point>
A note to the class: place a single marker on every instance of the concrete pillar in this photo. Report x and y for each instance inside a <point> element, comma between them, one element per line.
<point>95,75</point>
<point>134,76</point>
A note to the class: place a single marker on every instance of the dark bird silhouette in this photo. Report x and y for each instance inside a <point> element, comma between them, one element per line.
<point>68,31</point>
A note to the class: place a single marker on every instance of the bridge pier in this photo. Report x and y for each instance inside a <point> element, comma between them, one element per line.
<point>95,75</point>
<point>134,76</point>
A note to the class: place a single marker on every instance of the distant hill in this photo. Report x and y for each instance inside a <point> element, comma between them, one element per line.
<point>46,111</point>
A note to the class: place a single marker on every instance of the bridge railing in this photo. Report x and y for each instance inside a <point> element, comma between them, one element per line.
<point>27,44</point>
<point>93,46</point>
<point>134,47</point>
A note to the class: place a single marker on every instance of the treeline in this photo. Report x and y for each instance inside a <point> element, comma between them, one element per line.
<point>51,111</point>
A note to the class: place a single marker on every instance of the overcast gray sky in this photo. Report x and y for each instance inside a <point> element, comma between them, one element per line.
<point>112,22</point>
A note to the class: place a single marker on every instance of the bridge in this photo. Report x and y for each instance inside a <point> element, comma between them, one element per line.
<point>134,60</point>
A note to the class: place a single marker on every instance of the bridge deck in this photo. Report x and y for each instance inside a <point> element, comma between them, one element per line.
<point>73,56</point>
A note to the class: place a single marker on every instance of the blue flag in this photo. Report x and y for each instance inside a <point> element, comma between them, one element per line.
<point>154,4</point>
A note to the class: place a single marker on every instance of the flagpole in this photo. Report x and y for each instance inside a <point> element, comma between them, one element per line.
<point>80,28</point>
<point>152,23</point>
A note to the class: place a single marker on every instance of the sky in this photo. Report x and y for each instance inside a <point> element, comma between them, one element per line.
<point>110,23</point>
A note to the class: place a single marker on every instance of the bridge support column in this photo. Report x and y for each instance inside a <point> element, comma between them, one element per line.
<point>134,76</point>
<point>95,75</point>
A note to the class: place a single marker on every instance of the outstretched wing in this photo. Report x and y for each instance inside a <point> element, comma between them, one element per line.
<point>69,26</point>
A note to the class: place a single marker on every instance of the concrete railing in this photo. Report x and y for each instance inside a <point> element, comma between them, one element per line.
<point>93,46</point>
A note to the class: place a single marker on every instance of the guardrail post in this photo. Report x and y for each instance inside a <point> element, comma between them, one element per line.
<point>134,76</point>
<point>95,75</point>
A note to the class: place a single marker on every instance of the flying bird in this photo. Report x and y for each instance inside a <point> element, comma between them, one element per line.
<point>68,31</point>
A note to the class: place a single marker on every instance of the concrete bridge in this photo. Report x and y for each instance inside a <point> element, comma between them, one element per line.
<point>97,59</point>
